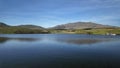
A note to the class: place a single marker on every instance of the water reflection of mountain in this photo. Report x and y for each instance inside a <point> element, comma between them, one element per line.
<point>5,39</point>
<point>83,41</point>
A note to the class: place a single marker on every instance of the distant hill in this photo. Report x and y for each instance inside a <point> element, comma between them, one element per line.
<point>22,29</point>
<point>74,25</point>
<point>3,24</point>
<point>81,25</point>
<point>31,26</point>
<point>22,26</point>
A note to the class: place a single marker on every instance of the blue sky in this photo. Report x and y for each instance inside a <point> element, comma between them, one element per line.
<point>48,13</point>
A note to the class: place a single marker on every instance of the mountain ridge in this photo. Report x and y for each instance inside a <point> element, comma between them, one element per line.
<point>3,24</point>
<point>72,25</point>
<point>31,26</point>
<point>82,25</point>
<point>69,28</point>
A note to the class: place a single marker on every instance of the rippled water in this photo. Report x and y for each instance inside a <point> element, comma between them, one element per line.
<point>59,51</point>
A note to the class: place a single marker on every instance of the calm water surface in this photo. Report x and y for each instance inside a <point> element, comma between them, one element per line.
<point>59,51</point>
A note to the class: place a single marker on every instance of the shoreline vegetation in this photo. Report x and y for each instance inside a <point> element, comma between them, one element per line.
<point>32,29</point>
<point>100,31</point>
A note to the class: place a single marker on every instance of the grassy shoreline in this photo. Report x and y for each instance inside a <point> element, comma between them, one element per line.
<point>18,30</point>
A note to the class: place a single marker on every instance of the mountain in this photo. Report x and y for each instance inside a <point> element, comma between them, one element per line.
<point>22,29</point>
<point>81,25</point>
<point>74,25</point>
<point>30,26</point>
<point>3,24</point>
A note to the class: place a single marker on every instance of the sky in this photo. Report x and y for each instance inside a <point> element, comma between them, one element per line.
<point>48,13</point>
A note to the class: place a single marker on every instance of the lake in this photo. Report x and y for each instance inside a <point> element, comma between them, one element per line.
<point>59,51</point>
